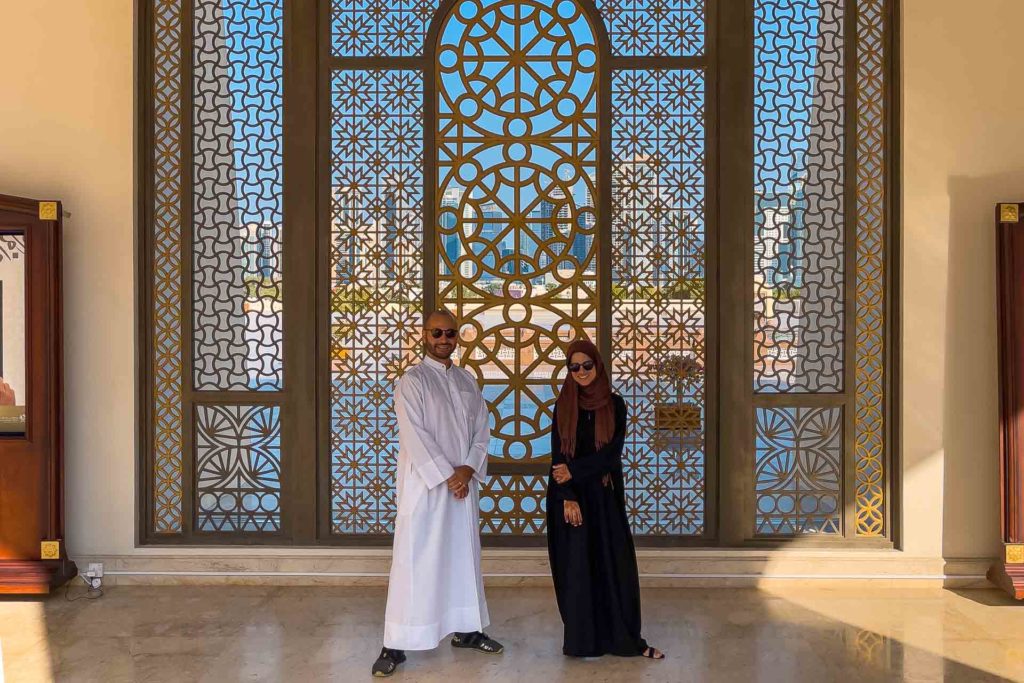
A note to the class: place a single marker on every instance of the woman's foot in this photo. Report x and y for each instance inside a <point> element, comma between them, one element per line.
<point>654,653</point>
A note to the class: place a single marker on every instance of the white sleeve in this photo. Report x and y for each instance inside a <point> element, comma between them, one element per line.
<point>481,439</point>
<point>427,457</point>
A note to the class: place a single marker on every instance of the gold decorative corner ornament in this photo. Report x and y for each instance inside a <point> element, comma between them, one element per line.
<point>49,550</point>
<point>1015,553</point>
<point>677,417</point>
<point>1008,213</point>
<point>47,211</point>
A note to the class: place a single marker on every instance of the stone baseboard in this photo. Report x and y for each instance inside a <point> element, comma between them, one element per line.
<point>658,568</point>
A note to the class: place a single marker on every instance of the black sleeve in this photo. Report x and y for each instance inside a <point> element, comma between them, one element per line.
<point>608,458</point>
<point>559,491</point>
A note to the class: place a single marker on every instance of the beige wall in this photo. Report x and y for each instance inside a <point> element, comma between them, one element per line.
<point>66,127</point>
<point>963,151</point>
<point>66,132</point>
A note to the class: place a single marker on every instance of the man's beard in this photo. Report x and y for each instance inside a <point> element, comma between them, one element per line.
<point>438,353</point>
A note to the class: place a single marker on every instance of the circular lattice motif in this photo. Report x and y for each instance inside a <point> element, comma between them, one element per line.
<point>530,65</point>
<point>518,220</point>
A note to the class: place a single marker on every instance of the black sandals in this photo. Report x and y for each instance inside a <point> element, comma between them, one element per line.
<point>477,641</point>
<point>387,662</point>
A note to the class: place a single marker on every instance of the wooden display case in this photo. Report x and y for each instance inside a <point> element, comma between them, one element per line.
<point>33,558</point>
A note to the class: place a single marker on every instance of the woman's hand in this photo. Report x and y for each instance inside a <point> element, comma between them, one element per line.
<point>573,514</point>
<point>561,473</point>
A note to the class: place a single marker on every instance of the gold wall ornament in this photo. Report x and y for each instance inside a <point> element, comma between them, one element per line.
<point>1009,213</point>
<point>47,211</point>
<point>1014,553</point>
<point>49,550</point>
<point>683,418</point>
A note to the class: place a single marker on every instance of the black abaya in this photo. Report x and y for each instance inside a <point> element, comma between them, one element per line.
<point>594,565</point>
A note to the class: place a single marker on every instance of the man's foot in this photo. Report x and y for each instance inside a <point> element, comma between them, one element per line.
<point>653,653</point>
<point>387,662</point>
<point>478,640</point>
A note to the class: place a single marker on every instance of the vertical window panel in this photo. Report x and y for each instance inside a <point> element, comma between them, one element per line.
<point>376,284</point>
<point>799,149</point>
<point>166,276</point>
<point>871,287</point>
<point>659,294</point>
<point>237,143</point>
<point>516,206</point>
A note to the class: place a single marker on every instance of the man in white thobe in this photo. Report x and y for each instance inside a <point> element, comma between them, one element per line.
<point>436,587</point>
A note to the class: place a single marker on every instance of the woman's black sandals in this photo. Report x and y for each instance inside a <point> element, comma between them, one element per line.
<point>652,653</point>
<point>477,641</point>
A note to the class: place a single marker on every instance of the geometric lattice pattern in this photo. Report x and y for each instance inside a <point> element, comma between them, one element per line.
<point>166,285</point>
<point>376,281</point>
<point>380,28</point>
<point>238,468</point>
<point>799,190</point>
<point>516,204</point>
<point>237,147</point>
<point>636,28</point>
<point>516,248</point>
<point>514,504</point>
<point>798,471</point>
<point>869,451</point>
<point>658,293</point>
<point>654,28</point>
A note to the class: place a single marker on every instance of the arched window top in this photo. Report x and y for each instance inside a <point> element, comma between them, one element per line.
<point>636,28</point>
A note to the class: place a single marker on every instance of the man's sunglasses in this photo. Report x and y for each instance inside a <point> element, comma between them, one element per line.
<point>587,365</point>
<point>436,333</point>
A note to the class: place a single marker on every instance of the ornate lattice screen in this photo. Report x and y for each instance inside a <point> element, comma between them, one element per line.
<point>821,109</point>
<point>545,169</point>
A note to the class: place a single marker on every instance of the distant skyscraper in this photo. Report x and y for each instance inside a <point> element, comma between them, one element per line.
<point>267,264</point>
<point>782,231</point>
<point>448,223</point>
<point>387,233</point>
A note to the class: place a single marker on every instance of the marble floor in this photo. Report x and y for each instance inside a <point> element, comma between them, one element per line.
<point>239,633</point>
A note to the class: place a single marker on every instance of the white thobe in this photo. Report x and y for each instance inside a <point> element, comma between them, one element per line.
<point>436,587</point>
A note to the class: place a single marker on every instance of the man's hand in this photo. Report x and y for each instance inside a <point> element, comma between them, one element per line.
<point>572,513</point>
<point>561,473</point>
<point>458,483</point>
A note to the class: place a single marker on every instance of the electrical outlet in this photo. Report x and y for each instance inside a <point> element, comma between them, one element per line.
<point>95,569</point>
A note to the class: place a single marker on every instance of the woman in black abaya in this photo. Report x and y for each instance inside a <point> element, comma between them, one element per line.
<point>590,546</point>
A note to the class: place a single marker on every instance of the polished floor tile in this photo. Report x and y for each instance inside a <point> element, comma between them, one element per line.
<point>237,633</point>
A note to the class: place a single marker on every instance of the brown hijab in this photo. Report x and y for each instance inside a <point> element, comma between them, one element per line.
<point>596,396</point>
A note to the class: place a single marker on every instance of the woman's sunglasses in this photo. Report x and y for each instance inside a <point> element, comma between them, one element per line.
<point>587,365</point>
<point>436,333</point>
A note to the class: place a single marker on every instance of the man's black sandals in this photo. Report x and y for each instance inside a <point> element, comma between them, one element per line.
<point>387,662</point>
<point>477,641</point>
